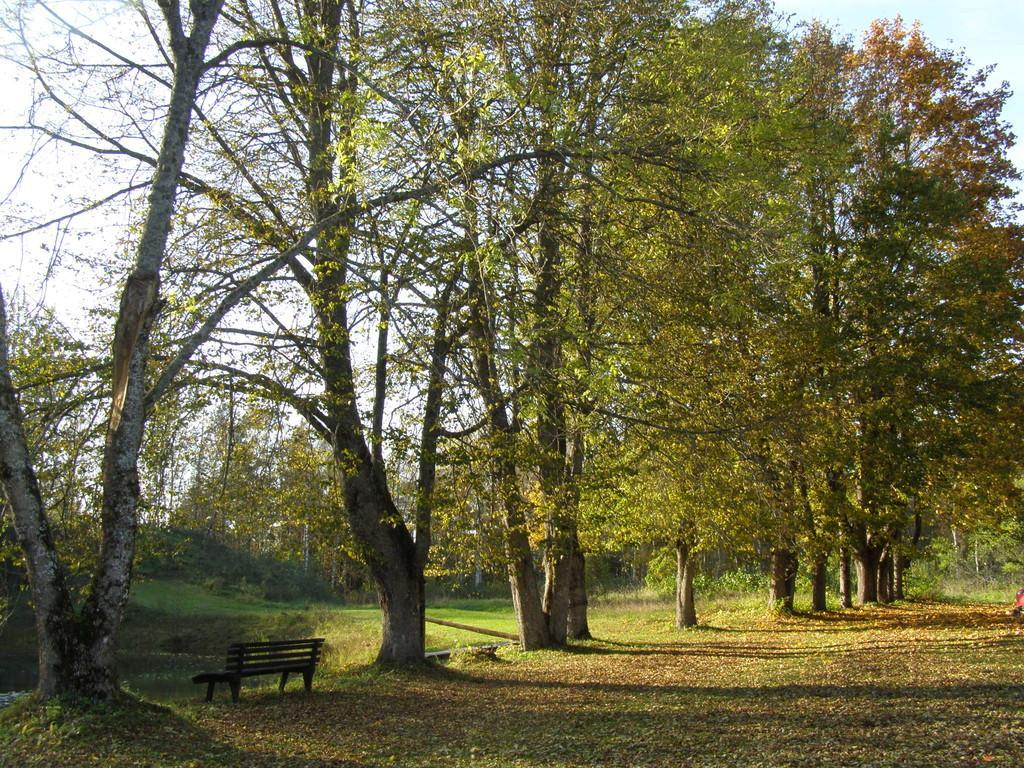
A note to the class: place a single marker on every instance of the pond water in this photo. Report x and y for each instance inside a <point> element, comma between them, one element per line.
<point>17,673</point>
<point>160,676</point>
<point>11,697</point>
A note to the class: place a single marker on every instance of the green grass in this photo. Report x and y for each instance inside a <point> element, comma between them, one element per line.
<point>997,591</point>
<point>173,596</point>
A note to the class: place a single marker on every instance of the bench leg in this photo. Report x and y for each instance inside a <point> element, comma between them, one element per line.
<point>284,679</point>
<point>236,685</point>
<point>209,690</point>
<point>307,678</point>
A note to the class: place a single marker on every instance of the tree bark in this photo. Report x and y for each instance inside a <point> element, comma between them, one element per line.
<point>395,559</point>
<point>77,650</point>
<point>551,420</point>
<point>845,579</point>
<point>898,565</point>
<point>791,581</point>
<point>526,596</point>
<point>819,586</point>
<point>885,576</point>
<point>585,301</point>
<point>558,557</point>
<point>429,440</point>
<point>867,558</point>
<point>400,595</point>
<point>783,579</point>
<point>686,566</point>
<point>54,613</point>
<point>387,546</point>
<point>388,549</point>
<point>578,628</point>
<point>503,432</point>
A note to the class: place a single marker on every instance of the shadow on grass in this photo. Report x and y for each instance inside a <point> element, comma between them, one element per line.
<point>436,718</point>
<point>484,714</point>
<point>128,732</point>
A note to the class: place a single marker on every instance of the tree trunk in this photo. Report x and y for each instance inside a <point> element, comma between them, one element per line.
<point>791,581</point>
<point>886,580</point>
<point>867,558</point>
<point>77,651</point>
<point>686,566</point>
<point>54,613</point>
<point>557,581</point>
<point>389,551</point>
<point>783,576</point>
<point>395,559</point>
<point>400,593</point>
<point>429,438</point>
<point>820,583</point>
<point>526,596</point>
<point>532,623</point>
<point>545,380</point>
<point>105,603</point>
<point>890,587</point>
<point>578,628</point>
<point>898,566</point>
<point>385,542</point>
<point>883,578</point>
<point>401,602</point>
<point>585,300</point>
<point>845,579</point>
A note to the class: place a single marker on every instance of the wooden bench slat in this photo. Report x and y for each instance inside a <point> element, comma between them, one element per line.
<point>289,641</point>
<point>280,666</point>
<point>265,657</point>
<point>284,652</point>
<point>277,643</point>
<point>249,654</point>
<point>289,663</point>
<point>270,671</point>
<point>246,658</point>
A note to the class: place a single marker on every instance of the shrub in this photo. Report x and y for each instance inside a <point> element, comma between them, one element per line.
<point>661,573</point>
<point>661,579</point>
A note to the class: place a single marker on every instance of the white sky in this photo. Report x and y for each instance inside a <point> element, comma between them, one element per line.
<point>988,31</point>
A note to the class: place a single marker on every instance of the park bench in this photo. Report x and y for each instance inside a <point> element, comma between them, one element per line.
<point>275,657</point>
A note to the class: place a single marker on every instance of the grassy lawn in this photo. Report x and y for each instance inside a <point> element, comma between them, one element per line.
<point>917,684</point>
<point>175,629</point>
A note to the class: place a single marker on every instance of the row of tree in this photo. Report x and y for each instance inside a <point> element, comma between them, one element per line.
<point>614,271</point>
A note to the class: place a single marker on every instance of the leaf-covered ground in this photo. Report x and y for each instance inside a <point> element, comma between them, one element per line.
<point>922,684</point>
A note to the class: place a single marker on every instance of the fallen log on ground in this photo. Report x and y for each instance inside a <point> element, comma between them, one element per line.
<point>478,630</point>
